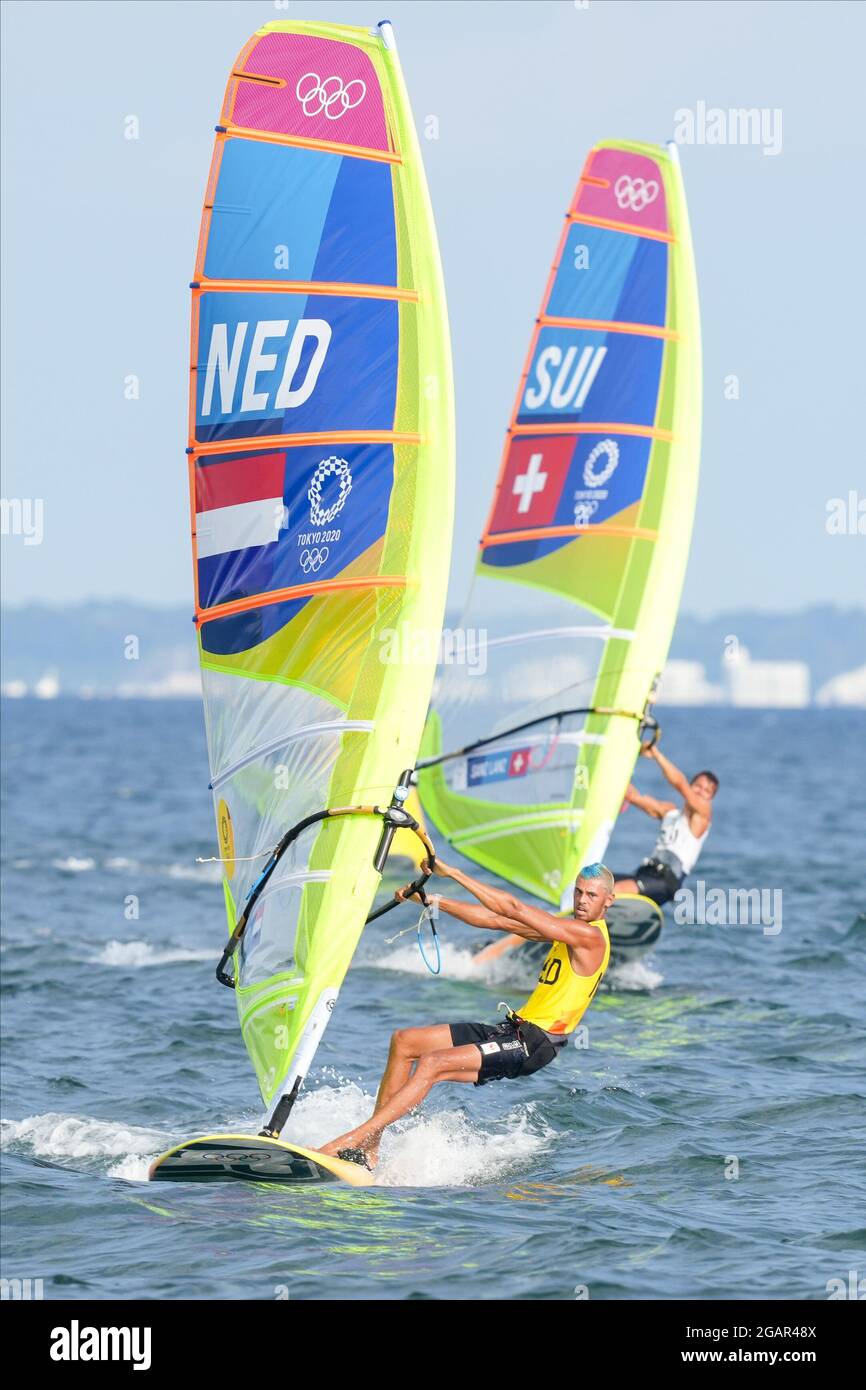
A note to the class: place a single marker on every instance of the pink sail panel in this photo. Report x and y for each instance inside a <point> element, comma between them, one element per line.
<point>630,189</point>
<point>328,91</point>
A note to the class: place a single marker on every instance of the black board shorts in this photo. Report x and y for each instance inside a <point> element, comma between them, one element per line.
<point>657,881</point>
<point>504,1055</point>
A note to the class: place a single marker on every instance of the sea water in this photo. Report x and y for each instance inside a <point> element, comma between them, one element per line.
<point>706,1140</point>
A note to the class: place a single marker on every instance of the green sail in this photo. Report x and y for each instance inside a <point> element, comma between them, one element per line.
<point>582,561</point>
<point>321,481</point>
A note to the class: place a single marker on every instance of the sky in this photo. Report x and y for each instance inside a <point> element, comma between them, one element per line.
<point>99,235</point>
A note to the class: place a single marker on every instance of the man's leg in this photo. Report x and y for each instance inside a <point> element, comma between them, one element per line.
<point>658,884</point>
<point>407,1045</point>
<point>450,1064</point>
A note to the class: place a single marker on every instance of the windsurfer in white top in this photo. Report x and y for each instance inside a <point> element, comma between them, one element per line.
<point>682,835</point>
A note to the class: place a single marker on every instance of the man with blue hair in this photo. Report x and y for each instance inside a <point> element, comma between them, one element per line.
<point>526,1040</point>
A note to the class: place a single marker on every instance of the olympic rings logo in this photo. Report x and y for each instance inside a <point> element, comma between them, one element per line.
<point>312,560</point>
<point>323,516</point>
<point>636,194</point>
<point>330,95</point>
<point>610,450</point>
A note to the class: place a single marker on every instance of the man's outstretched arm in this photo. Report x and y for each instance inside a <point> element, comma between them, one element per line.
<point>677,779</point>
<point>679,782</point>
<point>529,922</point>
<point>649,804</point>
<point>496,900</point>
<point>512,915</point>
<point>476,916</point>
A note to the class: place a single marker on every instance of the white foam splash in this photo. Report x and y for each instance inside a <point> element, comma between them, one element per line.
<point>71,865</point>
<point>72,1137</point>
<point>196,873</point>
<point>445,1149</point>
<point>633,975</point>
<point>133,955</point>
<point>193,873</point>
<point>458,963</point>
<point>321,1115</point>
<point>135,1169</point>
<point>449,1150</point>
<point>185,872</point>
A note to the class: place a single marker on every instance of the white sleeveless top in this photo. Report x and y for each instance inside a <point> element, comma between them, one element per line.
<point>676,841</point>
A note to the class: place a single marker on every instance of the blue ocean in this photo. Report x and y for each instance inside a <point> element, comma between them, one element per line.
<point>707,1143</point>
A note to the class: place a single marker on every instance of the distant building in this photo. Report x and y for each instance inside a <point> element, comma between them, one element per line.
<point>847,689</point>
<point>685,683</point>
<point>767,684</point>
<point>177,685</point>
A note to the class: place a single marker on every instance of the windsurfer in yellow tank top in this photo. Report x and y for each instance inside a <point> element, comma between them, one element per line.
<point>526,1040</point>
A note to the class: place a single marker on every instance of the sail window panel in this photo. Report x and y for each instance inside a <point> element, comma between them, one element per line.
<point>610,276</point>
<point>285,213</point>
<point>251,717</point>
<point>269,943</point>
<point>525,769</point>
<point>282,741</point>
<point>277,780</point>
<point>539,658</point>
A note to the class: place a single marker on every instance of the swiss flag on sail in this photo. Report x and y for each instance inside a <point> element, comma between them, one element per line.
<point>535,474</point>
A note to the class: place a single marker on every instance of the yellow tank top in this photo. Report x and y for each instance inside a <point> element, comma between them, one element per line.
<point>561,997</point>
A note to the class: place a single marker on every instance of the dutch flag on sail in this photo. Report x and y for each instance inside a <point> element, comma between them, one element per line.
<point>239,503</point>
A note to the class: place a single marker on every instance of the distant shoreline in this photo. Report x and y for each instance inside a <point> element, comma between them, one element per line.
<point>125,649</point>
